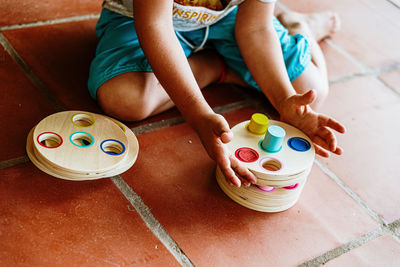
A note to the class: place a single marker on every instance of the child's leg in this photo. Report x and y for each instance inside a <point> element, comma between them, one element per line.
<point>316,26</point>
<point>135,96</point>
<point>297,52</point>
<point>121,78</point>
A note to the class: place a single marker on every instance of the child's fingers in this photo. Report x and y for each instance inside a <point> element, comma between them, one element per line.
<point>242,171</point>
<point>320,151</point>
<point>338,151</point>
<point>226,137</point>
<point>224,164</point>
<point>244,181</point>
<point>337,126</point>
<point>220,125</point>
<point>329,137</point>
<point>317,140</point>
<point>324,153</point>
<point>230,176</point>
<point>322,148</point>
<point>221,129</point>
<point>306,98</point>
<point>332,123</point>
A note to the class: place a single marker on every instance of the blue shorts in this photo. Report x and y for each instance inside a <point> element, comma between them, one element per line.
<point>118,50</point>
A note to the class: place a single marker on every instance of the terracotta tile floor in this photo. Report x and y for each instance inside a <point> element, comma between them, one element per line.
<point>168,210</point>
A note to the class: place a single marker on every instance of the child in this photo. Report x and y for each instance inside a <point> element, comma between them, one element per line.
<point>147,64</point>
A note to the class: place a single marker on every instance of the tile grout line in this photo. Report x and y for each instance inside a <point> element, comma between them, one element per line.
<point>137,202</point>
<point>152,223</point>
<point>365,71</point>
<point>175,121</point>
<point>338,251</point>
<point>139,129</point>
<point>374,72</point>
<point>346,54</point>
<point>380,231</point>
<point>89,17</point>
<point>388,86</point>
<point>13,162</point>
<point>392,227</point>
<point>133,198</point>
<point>149,127</point>
<point>350,192</point>
<point>355,243</point>
<point>394,3</point>
<point>50,22</point>
<point>124,188</point>
<point>29,73</point>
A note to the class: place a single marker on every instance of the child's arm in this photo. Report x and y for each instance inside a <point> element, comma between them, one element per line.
<point>153,23</point>
<point>260,47</point>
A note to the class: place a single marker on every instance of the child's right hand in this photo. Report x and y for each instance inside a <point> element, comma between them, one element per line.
<point>214,133</point>
<point>320,128</point>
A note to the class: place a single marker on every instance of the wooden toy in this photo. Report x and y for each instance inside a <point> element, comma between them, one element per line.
<point>77,145</point>
<point>281,157</point>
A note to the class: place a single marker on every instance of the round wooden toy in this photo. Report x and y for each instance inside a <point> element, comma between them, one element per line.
<point>76,145</point>
<point>281,157</point>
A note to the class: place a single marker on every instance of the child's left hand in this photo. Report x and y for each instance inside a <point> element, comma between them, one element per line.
<point>296,111</point>
<point>214,133</point>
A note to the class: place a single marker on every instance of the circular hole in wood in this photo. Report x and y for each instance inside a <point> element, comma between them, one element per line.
<point>265,189</point>
<point>82,139</point>
<point>112,147</point>
<point>83,120</point>
<point>291,187</point>
<point>299,144</point>
<point>246,154</point>
<point>271,164</point>
<point>49,140</point>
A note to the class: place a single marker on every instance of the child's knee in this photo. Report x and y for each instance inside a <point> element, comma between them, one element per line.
<point>322,91</point>
<point>124,100</point>
<point>312,78</point>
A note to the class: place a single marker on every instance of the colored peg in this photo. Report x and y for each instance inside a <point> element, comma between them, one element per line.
<point>258,123</point>
<point>273,139</point>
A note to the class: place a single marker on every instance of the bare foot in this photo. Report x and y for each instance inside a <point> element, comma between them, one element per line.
<point>319,25</point>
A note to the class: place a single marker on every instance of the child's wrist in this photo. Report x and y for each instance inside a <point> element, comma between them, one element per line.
<point>197,113</point>
<point>284,104</point>
<point>280,96</point>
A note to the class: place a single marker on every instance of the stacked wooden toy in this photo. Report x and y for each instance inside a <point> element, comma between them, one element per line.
<point>281,157</point>
<point>77,145</point>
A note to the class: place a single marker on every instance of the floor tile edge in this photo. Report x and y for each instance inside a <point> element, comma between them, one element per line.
<point>350,192</point>
<point>151,222</point>
<point>29,73</point>
<point>336,252</point>
<point>49,22</point>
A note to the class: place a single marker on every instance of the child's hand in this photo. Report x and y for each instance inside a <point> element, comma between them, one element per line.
<point>296,111</point>
<point>214,133</point>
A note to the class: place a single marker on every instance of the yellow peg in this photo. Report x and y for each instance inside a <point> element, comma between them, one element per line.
<point>258,124</point>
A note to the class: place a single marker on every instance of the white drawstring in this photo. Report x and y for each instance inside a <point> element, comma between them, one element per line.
<point>204,40</point>
<point>195,48</point>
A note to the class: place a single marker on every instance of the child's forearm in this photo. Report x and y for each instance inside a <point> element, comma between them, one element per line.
<point>154,27</point>
<point>260,48</point>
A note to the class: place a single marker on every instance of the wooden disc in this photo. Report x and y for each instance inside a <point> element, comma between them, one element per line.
<point>251,197</point>
<point>289,166</point>
<point>80,142</point>
<point>132,149</point>
<point>282,165</point>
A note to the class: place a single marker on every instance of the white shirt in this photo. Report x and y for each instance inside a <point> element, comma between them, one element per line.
<point>187,15</point>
